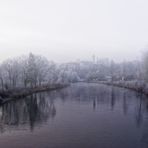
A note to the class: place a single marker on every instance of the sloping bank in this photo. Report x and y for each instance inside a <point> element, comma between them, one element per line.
<point>18,93</point>
<point>139,86</point>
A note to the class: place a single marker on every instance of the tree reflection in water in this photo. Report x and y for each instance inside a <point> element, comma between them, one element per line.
<point>107,95</point>
<point>32,110</point>
<point>38,108</point>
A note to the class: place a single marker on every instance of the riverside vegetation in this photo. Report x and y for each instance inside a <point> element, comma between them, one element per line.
<point>29,74</point>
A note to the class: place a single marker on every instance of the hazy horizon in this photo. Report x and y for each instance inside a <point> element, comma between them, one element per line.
<point>66,30</point>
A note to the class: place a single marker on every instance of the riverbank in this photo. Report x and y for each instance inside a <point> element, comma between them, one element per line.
<point>139,86</point>
<point>17,93</point>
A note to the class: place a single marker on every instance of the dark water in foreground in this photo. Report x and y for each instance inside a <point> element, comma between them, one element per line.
<point>80,116</point>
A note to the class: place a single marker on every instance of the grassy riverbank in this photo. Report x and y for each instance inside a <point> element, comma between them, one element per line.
<point>18,93</point>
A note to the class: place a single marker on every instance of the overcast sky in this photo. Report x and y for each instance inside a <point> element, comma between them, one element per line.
<point>67,30</point>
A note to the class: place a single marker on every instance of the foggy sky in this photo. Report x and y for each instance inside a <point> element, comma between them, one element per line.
<point>66,30</point>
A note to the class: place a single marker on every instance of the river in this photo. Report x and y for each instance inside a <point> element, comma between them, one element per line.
<point>79,116</point>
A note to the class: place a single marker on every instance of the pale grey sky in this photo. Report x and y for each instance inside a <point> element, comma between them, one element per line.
<point>65,30</point>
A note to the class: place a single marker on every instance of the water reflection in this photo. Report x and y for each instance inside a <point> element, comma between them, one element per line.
<point>117,98</point>
<point>40,107</point>
<point>106,110</point>
<point>32,111</point>
<point>113,97</point>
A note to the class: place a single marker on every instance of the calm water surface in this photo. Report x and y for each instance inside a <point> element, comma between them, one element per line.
<point>80,116</point>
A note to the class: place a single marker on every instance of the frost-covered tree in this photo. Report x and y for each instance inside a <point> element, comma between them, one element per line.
<point>1,78</point>
<point>39,70</point>
<point>145,65</point>
<point>11,72</point>
<point>35,70</point>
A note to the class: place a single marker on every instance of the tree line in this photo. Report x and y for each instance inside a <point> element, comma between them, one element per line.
<point>35,70</point>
